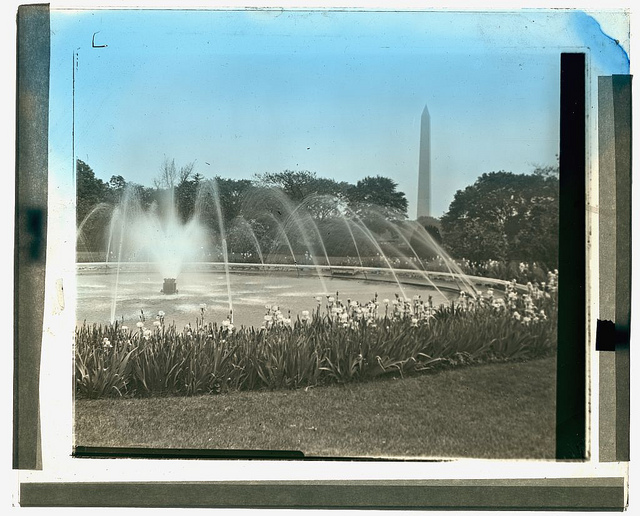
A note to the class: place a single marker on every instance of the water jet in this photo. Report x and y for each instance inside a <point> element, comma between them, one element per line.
<point>153,242</point>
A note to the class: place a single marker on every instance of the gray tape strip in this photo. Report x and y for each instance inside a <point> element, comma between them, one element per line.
<point>621,88</point>
<point>607,268</point>
<point>31,227</point>
<point>614,141</point>
<point>565,494</point>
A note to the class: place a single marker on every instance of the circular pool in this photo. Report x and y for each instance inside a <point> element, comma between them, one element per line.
<point>100,289</point>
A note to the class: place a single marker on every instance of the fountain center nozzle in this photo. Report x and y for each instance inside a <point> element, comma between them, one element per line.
<point>169,286</point>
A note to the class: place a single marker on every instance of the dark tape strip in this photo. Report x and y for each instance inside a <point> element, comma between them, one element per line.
<point>183,453</point>
<point>605,336</point>
<point>571,361</point>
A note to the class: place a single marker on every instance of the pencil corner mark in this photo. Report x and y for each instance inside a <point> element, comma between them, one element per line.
<point>93,42</point>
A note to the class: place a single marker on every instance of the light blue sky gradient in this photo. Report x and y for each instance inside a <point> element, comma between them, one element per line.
<point>337,93</point>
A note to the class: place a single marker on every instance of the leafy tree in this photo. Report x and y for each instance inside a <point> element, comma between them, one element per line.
<point>376,200</point>
<point>329,203</point>
<point>93,208</point>
<point>298,185</point>
<point>232,193</point>
<point>185,193</point>
<point>261,207</point>
<point>90,190</point>
<point>243,240</point>
<point>381,193</point>
<point>550,171</point>
<point>432,225</point>
<point>147,196</point>
<point>321,196</point>
<point>505,216</point>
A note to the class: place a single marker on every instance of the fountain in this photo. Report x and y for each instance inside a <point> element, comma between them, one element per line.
<point>255,251</point>
<point>155,234</point>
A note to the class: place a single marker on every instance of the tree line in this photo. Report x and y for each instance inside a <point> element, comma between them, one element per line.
<point>372,199</point>
<point>502,217</point>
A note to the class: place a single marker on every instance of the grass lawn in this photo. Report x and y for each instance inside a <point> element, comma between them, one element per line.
<point>504,410</point>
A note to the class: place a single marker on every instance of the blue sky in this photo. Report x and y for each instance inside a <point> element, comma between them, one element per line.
<point>336,93</point>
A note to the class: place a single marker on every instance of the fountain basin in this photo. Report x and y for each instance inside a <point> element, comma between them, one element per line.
<point>252,290</point>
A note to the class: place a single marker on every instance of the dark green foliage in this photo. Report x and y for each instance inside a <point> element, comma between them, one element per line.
<point>505,217</point>
<point>375,197</point>
<point>314,350</point>
<point>185,193</point>
<point>417,241</point>
<point>117,185</point>
<point>299,185</point>
<point>92,210</point>
<point>91,191</point>
<point>259,206</point>
<point>95,200</point>
<point>232,194</point>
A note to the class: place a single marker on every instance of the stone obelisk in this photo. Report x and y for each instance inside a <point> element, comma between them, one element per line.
<point>424,166</point>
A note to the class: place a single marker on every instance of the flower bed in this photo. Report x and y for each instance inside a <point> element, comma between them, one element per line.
<point>340,341</point>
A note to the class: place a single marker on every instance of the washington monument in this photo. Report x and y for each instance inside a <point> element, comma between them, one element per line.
<point>424,166</point>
